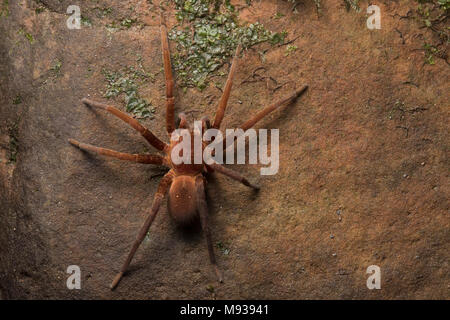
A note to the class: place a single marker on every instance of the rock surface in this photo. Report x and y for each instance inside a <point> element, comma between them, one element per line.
<point>363,157</point>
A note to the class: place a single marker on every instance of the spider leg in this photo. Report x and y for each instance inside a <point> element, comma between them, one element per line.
<point>203,212</point>
<point>170,100</point>
<point>159,196</point>
<point>232,174</point>
<point>206,124</point>
<point>251,122</point>
<point>140,158</point>
<point>147,134</point>
<point>226,92</point>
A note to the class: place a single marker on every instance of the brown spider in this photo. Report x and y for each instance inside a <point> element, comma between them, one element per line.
<point>184,182</point>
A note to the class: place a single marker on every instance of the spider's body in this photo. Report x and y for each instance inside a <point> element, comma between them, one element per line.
<point>184,183</point>
<point>181,201</point>
<point>181,198</point>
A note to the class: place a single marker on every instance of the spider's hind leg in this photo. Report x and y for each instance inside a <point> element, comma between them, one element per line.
<point>163,187</point>
<point>203,212</point>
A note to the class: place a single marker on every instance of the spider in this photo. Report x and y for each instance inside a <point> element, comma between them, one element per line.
<point>184,183</point>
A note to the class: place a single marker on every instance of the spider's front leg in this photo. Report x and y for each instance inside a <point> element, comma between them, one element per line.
<point>170,83</point>
<point>232,174</point>
<point>264,112</point>
<point>226,92</point>
<point>203,212</point>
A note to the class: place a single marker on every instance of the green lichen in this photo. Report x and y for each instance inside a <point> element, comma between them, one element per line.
<point>13,142</point>
<point>430,52</point>
<point>17,99</point>
<point>102,12</point>
<point>39,10</point>
<point>434,16</point>
<point>27,35</point>
<point>127,23</point>
<point>278,15</point>
<point>290,49</point>
<point>445,4</point>
<point>85,21</point>
<point>126,83</point>
<point>56,67</point>
<point>223,247</point>
<point>207,37</point>
<point>352,4</point>
<point>4,8</point>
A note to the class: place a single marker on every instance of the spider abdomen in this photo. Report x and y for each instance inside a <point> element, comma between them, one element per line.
<point>182,200</point>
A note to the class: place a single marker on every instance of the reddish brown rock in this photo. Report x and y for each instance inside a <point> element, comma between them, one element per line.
<point>363,156</point>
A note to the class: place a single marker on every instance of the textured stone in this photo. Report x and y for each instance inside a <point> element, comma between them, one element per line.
<point>342,162</point>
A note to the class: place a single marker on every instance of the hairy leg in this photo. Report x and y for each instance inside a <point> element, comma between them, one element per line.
<point>203,212</point>
<point>140,158</point>
<point>147,134</point>
<point>226,92</point>
<point>164,185</point>
<point>206,124</point>
<point>232,174</point>
<point>170,100</point>
<point>251,122</point>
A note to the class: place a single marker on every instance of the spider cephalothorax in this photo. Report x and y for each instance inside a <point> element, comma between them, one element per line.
<point>185,183</point>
